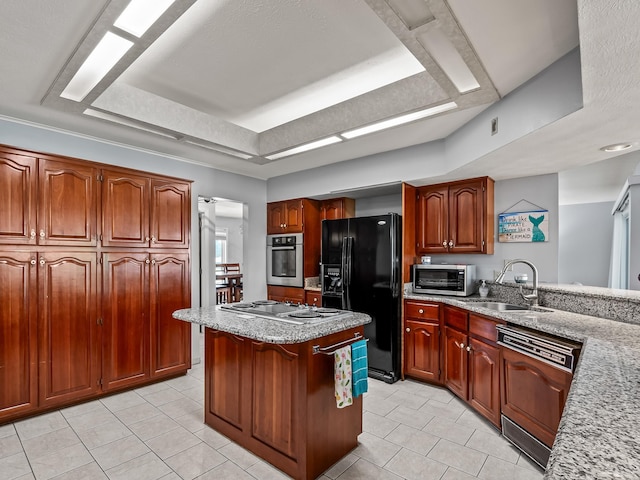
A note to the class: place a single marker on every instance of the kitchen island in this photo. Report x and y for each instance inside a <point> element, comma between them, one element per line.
<point>269,386</point>
<point>598,436</point>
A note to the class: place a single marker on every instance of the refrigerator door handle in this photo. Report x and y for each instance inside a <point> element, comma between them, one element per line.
<point>345,274</point>
<point>395,290</point>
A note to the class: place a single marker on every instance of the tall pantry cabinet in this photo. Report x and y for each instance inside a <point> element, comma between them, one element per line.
<point>93,261</point>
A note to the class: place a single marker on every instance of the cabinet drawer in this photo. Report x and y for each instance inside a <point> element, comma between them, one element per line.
<point>456,318</point>
<point>483,327</point>
<point>423,311</point>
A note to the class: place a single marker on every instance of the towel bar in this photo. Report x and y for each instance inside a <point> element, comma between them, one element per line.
<point>331,348</point>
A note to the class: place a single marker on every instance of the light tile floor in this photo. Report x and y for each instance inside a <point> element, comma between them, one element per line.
<point>411,431</point>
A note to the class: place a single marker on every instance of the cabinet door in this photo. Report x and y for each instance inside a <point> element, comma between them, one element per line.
<point>484,379</point>
<point>422,350</point>
<point>336,208</point>
<point>276,399</point>
<point>455,361</point>
<point>294,216</point>
<point>125,217</point>
<point>466,215</point>
<point>126,319</point>
<point>276,217</point>
<point>170,214</point>
<point>18,334</point>
<point>432,222</point>
<point>69,341</point>
<point>67,204</point>
<point>170,291</point>
<point>18,179</point>
<point>313,298</point>
<point>533,394</point>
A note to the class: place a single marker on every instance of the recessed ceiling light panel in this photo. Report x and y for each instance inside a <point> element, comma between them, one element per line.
<point>140,15</point>
<point>402,119</point>
<point>102,59</point>
<point>305,147</point>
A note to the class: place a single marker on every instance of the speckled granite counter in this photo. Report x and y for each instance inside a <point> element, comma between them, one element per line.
<point>265,330</point>
<point>599,434</point>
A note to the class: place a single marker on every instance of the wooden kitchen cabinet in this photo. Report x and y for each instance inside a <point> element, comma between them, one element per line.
<point>277,401</point>
<point>142,211</point>
<point>312,297</point>
<point>18,335</point>
<point>69,343</point>
<point>336,208</point>
<point>472,361</point>
<point>539,414</point>
<point>142,339</point>
<point>285,217</point>
<point>293,295</point>
<point>170,291</point>
<point>422,340</point>
<point>46,201</point>
<point>456,217</point>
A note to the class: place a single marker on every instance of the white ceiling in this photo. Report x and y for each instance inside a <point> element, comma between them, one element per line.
<point>262,76</point>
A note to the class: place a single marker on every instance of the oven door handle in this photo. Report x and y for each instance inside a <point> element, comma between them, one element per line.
<point>283,248</point>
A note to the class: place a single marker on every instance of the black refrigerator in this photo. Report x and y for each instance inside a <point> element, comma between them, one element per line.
<point>360,272</point>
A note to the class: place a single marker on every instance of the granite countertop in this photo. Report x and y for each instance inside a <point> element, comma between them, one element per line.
<point>599,434</point>
<point>265,330</point>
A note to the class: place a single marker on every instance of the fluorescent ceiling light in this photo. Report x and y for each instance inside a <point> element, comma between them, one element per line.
<point>393,122</point>
<point>106,54</point>
<point>140,15</point>
<point>113,118</point>
<point>305,147</point>
<point>447,56</point>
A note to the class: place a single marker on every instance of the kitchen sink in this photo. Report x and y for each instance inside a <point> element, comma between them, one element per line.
<point>500,306</point>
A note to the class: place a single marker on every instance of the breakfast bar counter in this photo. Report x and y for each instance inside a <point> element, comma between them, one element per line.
<point>269,386</point>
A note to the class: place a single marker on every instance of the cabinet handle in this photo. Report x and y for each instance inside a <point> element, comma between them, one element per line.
<point>421,311</point>
<point>153,262</point>
<point>33,261</point>
<point>33,233</point>
<point>153,239</point>
<point>450,243</point>
<point>444,244</point>
<point>408,330</point>
<point>42,234</point>
<point>468,349</point>
<point>147,239</point>
<point>147,261</point>
<point>42,262</point>
<point>462,345</point>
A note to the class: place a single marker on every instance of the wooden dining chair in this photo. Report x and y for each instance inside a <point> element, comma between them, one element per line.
<point>224,292</point>
<point>236,285</point>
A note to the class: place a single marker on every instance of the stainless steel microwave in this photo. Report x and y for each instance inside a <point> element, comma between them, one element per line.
<point>458,280</point>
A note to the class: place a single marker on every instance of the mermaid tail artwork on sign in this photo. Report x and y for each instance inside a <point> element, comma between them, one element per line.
<point>528,226</point>
<point>538,234</point>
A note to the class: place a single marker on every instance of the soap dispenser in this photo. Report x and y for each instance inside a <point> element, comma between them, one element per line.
<point>484,289</point>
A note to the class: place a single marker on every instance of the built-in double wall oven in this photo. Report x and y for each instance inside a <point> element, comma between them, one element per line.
<point>285,260</point>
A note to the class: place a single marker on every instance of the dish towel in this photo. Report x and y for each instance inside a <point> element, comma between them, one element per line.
<point>342,377</point>
<point>360,367</point>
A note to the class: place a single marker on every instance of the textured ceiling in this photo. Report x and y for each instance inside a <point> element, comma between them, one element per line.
<point>216,72</point>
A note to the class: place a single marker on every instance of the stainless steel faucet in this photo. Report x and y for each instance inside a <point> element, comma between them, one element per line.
<point>532,297</point>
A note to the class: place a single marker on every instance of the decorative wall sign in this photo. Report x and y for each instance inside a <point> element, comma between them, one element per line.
<point>526,226</point>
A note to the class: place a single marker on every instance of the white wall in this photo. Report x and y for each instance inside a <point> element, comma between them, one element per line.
<point>381,205</point>
<point>634,232</point>
<point>233,226</point>
<point>586,235</point>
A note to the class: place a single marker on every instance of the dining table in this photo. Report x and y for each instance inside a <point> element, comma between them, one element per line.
<point>234,281</point>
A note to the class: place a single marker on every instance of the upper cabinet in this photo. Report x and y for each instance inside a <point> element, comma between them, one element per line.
<point>455,217</point>
<point>285,217</point>
<point>140,211</point>
<point>336,208</point>
<point>47,202</point>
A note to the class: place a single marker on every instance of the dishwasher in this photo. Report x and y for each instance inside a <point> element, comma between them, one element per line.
<point>537,370</point>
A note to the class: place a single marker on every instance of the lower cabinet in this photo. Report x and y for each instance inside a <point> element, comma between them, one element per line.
<point>313,298</point>
<point>277,400</point>
<point>293,295</point>
<point>59,344</point>
<point>472,361</point>
<point>422,340</point>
